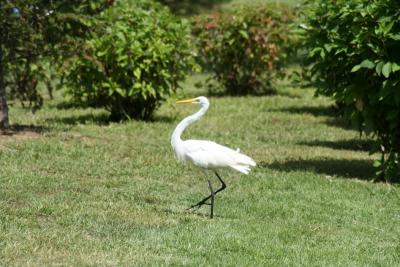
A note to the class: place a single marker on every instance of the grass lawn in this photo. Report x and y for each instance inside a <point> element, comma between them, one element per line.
<point>78,191</point>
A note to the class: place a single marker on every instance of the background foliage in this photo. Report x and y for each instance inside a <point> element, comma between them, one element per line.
<point>36,32</point>
<point>190,7</point>
<point>78,190</point>
<point>354,56</point>
<point>246,47</point>
<point>133,61</point>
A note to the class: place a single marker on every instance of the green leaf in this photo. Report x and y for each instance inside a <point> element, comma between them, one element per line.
<point>120,91</point>
<point>121,36</point>
<point>328,47</point>
<point>378,67</point>
<point>377,164</point>
<point>138,73</point>
<point>395,67</point>
<point>368,64</point>
<point>386,27</point>
<point>122,57</point>
<point>244,34</point>
<point>34,67</point>
<point>356,68</point>
<point>322,54</point>
<point>387,69</point>
<point>314,51</point>
<point>101,53</point>
<point>395,37</point>
<point>137,85</point>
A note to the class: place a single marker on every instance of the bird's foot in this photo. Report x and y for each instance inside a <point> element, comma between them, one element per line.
<point>197,206</point>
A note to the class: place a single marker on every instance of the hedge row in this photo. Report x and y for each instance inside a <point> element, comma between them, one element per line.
<point>354,56</point>
<point>245,49</point>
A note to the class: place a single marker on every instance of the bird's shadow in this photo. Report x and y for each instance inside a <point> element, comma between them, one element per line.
<point>350,169</point>
<point>353,144</point>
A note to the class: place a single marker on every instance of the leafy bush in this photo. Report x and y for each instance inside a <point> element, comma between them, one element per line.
<point>190,7</point>
<point>245,48</point>
<point>133,61</point>
<point>32,34</point>
<point>354,56</point>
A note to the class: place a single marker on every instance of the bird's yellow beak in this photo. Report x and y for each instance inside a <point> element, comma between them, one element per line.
<point>186,101</point>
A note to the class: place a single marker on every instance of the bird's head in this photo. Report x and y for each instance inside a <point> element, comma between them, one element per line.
<point>197,100</point>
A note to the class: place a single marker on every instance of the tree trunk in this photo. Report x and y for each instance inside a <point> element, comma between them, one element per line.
<point>4,122</point>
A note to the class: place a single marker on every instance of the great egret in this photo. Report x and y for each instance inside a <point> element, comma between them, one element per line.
<point>207,154</point>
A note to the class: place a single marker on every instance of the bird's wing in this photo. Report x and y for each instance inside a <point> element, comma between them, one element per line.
<point>209,154</point>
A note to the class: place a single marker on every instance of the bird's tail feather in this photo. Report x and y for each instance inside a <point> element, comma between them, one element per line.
<point>242,163</point>
<point>241,168</point>
<point>242,159</point>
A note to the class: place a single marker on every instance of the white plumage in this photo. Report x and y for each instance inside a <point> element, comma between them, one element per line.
<point>207,154</point>
<point>210,155</point>
<point>203,153</point>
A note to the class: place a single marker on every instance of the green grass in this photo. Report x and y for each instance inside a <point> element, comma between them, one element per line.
<point>78,191</point>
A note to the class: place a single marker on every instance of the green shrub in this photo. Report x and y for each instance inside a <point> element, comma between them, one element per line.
<point>32,34</point>
<point>133,61</point>
<point>190,7</point>
<point>354,56</point>
<point>22,82</point>
<point>245,48</point>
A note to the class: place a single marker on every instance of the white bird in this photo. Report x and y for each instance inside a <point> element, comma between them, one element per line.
<point>207,154</point>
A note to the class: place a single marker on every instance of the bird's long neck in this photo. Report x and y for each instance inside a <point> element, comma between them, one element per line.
<point>176,135</point>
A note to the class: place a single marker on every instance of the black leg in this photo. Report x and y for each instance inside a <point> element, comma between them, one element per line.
<point>212,199</point>
<point>203,201</point>
<point>223,185</point>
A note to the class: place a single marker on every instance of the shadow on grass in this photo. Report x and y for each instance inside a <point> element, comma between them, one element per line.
<point>69,105</point>
<point>356,169</point>
<point>222,93</point>
<point>315,111</point>
<point>341,123</point>
<point>100,119</point>
<point>17,129</point>
<point>163,119</point>
<point>355,144</point>
<point>335,119</point>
